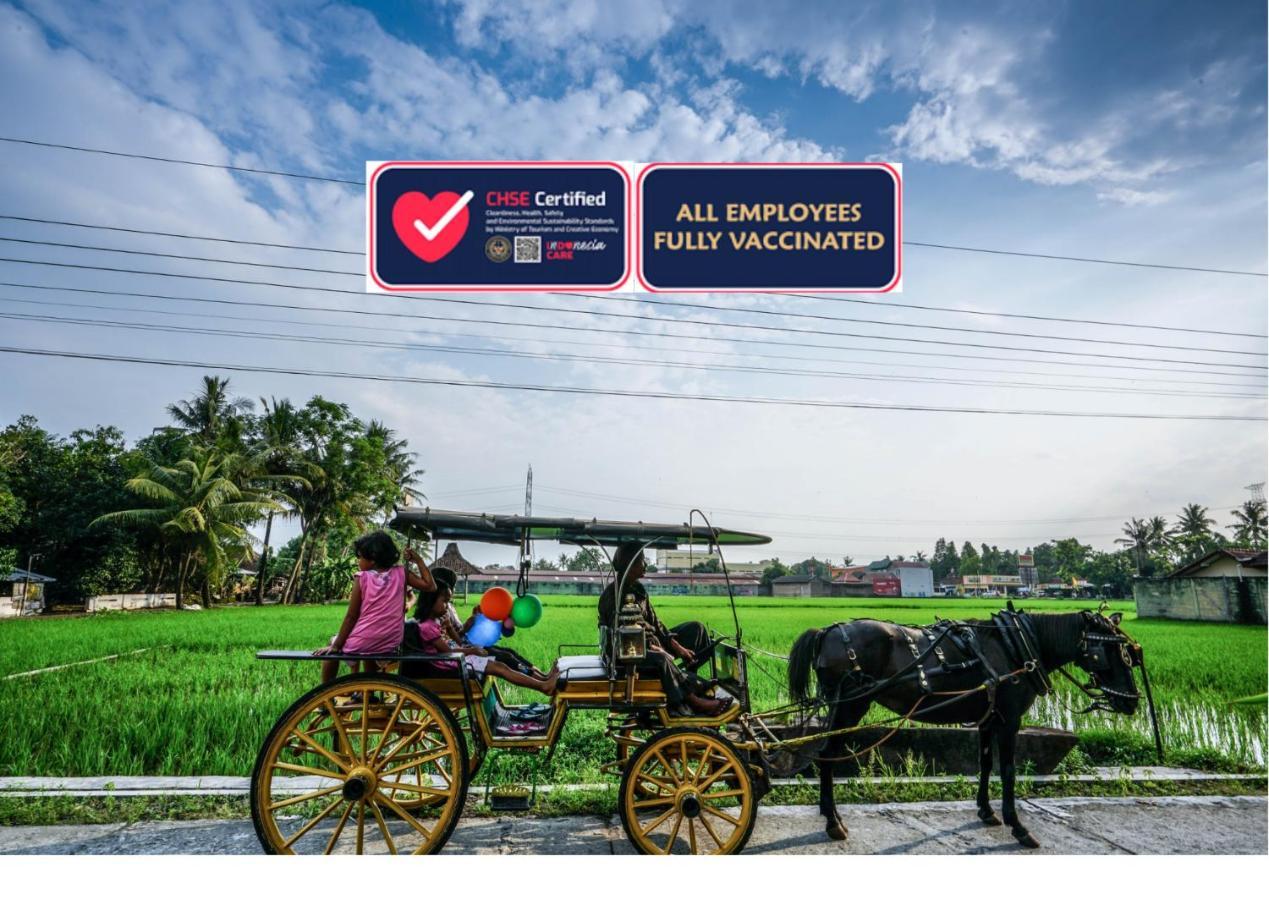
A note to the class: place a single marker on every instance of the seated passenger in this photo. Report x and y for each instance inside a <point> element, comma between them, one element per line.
<point>684,691</point>
<point>433,637</point>
<point>454,628</point>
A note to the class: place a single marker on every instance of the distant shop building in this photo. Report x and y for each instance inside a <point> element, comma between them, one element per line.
<point>550,581</point>
<point>1226,585</point>
<point>675,561</point>
<point>799,586</point>
<point>990,585</point>
<point>884,578</point>
<point>22,593</point>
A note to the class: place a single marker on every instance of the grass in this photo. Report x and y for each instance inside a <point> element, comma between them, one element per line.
<point>199,703</point>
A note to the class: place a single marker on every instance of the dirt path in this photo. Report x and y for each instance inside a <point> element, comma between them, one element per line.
<point>1171,825</point>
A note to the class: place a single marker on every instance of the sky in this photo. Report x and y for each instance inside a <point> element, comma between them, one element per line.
<point>1130,131</point>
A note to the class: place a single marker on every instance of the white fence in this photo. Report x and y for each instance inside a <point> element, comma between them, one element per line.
<point>107,602</point>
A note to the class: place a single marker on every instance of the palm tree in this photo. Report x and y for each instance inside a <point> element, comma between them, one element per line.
<point>280,457</point>
<point>1251,524</point>
<point>212,414</point>
<point>200,513</point>
<point>1193,532</point>
<point>1136,536</point>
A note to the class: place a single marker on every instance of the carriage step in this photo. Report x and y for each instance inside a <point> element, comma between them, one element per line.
<point>510,798</point>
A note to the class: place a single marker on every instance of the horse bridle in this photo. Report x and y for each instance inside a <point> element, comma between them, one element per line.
<point>1094,659</point>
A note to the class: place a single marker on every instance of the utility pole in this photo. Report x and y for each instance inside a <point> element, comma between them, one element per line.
<point>26,584</point>
<point>528,492</point>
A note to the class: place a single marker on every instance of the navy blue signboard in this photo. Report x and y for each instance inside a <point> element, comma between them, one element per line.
<point>770,227</point>
<point>490,226</point>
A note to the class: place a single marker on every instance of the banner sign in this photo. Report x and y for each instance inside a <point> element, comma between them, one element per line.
<point>770,227</point>
<point>492,226</point>
<point>1026,560</point>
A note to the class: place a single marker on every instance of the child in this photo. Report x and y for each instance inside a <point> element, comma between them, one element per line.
<point>433,635</point>
<point>375,621</point>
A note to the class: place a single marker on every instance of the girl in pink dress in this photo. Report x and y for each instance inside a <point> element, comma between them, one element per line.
<point>375,621</point>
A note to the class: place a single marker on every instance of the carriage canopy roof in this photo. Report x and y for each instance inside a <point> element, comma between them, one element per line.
<point>497,529</point>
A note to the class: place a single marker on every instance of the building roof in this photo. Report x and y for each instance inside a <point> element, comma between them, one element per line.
<point>795,579</point>
<point>24,575</point>
<point>452,559</point>
<point>559,576</point>
<point>1245,556</point>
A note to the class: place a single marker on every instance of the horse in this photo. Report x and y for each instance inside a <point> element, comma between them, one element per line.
<point>987,673</point>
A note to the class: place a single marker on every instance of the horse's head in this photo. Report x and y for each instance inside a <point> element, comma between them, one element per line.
<point>1109,656</point>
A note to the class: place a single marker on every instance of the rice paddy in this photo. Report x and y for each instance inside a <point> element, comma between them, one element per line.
<point>195,701</point>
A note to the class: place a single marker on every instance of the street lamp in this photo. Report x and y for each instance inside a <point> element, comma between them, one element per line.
<point>26,585</point>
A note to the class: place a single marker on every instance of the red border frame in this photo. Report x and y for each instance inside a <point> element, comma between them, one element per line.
<point>484,164</point>
<point>898,228</point>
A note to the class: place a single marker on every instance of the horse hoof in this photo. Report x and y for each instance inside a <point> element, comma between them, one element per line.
<point>989,818</point>
<point>1025,839</point>
<point>837,831</point>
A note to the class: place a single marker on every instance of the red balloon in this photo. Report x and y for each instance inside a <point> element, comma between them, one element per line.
<point>496,603</point>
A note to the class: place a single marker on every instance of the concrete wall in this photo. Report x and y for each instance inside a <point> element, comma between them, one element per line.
<point>11,607</point>
<point>1201,599</point>
<point>916,582</point>
<point>132,601</point>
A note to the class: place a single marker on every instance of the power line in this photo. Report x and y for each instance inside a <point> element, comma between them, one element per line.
<point>509,338</point>
<point>609,392</point>
<point>360,183</point>
<point>844,519</point>
<point>601,360</point>
<point>711,338</point>
<point>734,310</point>
<point>781,329</point>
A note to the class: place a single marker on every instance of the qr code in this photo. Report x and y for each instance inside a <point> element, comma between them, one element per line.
<point>528,249</point>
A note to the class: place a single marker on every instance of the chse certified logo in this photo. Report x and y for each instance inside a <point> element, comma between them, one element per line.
<point>498,249</point>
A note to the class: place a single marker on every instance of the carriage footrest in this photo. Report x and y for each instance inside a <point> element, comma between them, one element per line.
<point>510,798</point>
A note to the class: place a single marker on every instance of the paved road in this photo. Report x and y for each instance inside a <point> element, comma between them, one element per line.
<point>1171,825</point>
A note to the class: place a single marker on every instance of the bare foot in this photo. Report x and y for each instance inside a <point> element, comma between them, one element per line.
<point>552,681</point>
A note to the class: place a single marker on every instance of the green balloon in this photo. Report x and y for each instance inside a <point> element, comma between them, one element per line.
<point>526,611</point>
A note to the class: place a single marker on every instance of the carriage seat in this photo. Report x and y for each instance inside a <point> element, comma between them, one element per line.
<point>582,668</point>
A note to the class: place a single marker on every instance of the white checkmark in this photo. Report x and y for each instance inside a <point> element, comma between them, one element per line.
<point>429,234</point>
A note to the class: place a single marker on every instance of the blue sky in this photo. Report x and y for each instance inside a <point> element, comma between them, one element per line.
<point>1126,130</point>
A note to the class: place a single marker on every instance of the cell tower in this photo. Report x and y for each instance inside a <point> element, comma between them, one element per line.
<point>528,492</point>
<point>1257,491</point>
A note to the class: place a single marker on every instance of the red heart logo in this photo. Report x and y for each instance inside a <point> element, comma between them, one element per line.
<point>430,228</point>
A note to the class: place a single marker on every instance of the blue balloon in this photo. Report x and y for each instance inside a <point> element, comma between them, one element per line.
<point>484,631</point>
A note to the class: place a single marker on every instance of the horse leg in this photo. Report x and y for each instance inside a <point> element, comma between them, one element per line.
<point>986,734</point>
<point>1007,736</point>
<point>844,716</point>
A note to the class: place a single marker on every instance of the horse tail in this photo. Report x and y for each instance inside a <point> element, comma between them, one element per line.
<point>801,658</point>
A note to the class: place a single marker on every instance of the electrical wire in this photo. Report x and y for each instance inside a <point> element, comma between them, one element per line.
<point>611,392</point>
<point>361,183</point>
<point>642,301</point>
<point>663,321</point>
<point>601,360</point>
<point>587,343</point>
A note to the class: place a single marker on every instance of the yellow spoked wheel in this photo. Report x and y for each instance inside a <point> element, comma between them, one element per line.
<point>363,764</point>
<point>686,790</point>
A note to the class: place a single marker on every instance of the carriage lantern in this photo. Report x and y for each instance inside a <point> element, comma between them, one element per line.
<point>632,640</point>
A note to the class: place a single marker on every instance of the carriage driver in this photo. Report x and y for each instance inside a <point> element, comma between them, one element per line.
<point>684,691</point>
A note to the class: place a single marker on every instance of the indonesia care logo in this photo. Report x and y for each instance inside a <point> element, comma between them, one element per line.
<point>566,249</point>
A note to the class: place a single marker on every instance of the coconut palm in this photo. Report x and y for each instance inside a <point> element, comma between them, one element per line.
<point>1193,532</point>
<point>212,415</point>
<point>200,513</point>
<point>1137,536</point>
<point>280,457</point>
<point>1251,524</point>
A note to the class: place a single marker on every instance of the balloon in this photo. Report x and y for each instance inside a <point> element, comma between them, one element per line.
<point>508,627</point>
<point>496,603</point>
<point>526,611</point>
<point>484,631</point>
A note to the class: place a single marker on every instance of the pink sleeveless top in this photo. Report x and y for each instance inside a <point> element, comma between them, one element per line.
<point>381,625</point>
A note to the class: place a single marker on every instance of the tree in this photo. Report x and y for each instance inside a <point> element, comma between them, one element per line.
<point>200,514</point>
<point>1145,538</point>
<point>586,559</point>
<point>1251,524</point>
<point>709,565</point>
<point>212,417</point>
<point>971,562</point>
<point>1193,535</point>
<point>812,568</point>
<point>1070,557</point>
<point>775,570</point>
<point>1111,573</point>
<point>276,448</point>
<point>545,564</point>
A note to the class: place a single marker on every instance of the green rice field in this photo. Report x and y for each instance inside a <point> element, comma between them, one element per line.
<point>194,700</point>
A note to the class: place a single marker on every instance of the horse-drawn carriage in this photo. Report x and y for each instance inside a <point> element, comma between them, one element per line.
<point>382,762</point>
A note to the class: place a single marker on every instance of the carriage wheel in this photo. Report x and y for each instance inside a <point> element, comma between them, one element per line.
<point>686,790</point>
<point>363,764</point>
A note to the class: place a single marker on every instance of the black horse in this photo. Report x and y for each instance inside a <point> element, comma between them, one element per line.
<point>986,673</point>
